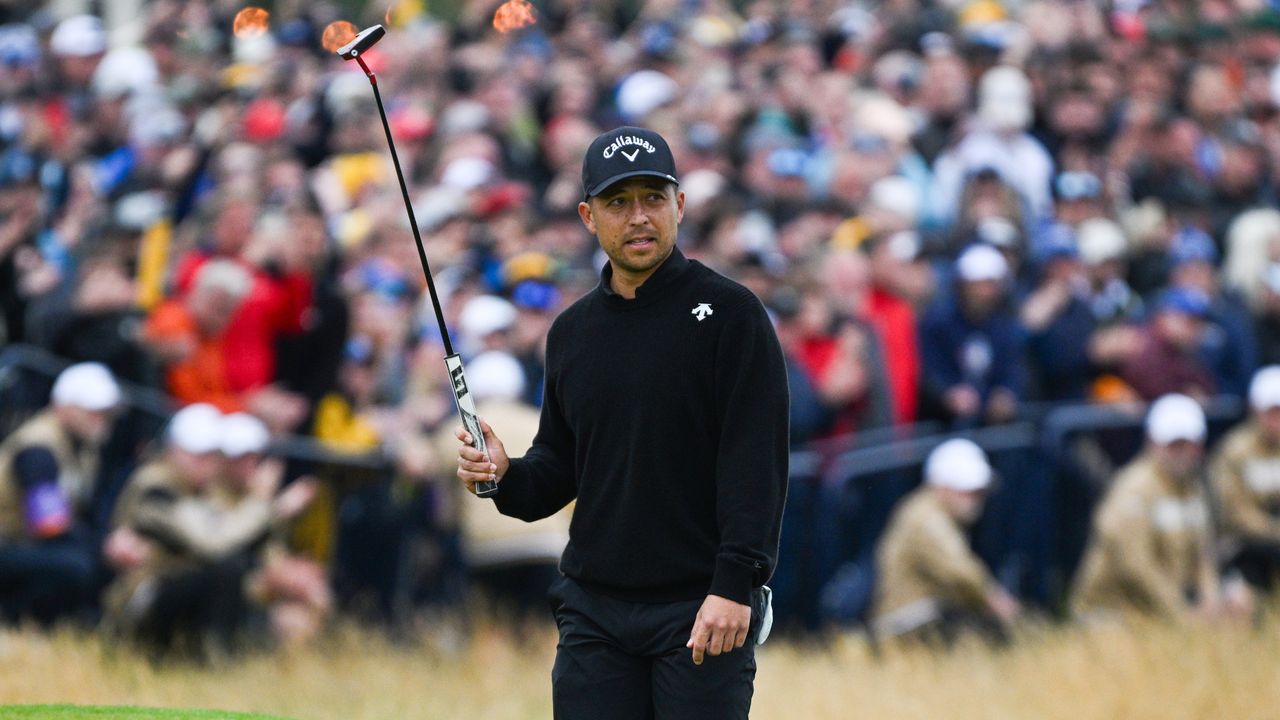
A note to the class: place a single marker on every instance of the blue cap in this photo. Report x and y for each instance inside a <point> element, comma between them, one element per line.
<point>535,295</point>
<point>1185,300</point>
<point>1191,244</point>
<point>1057,240</point>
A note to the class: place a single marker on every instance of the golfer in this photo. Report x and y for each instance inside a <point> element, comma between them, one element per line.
<point>665,417</point>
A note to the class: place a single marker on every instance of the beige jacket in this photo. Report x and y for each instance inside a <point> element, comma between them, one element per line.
<point>489,538</point>
<point>184,528</point>
<point>1150,548</point>
<point>77,469</point>
<point>1245,475</point>
<point>925,565</point>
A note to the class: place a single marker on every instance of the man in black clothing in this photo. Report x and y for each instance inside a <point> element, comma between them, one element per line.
<point>665,417</point>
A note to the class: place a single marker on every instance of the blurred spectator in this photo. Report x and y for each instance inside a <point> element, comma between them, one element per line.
<point>181,554</point>
<point>1169,360</point>
<point>292,588</point>
<point>1151,548</point>
<point>1229,346</point>
<point>1245,476</point>
<point>50,549</point>
<point>188,336</point>
<point>1059,322</point>
<point>809,416</point>
<point>894,262</point>
<point>932,586</point>
<point>1000,144</point>
<point>845,357</point>
<point>972,346</point>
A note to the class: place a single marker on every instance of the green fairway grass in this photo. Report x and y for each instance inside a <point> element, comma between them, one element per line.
<point>79,712</point>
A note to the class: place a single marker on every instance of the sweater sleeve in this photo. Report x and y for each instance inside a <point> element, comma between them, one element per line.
<point>542,482</point>
<point>751,399</point>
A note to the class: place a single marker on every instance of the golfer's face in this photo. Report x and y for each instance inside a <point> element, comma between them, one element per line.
<point>635,221</point>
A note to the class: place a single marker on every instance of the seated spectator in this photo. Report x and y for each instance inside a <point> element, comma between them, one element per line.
<point>1150,551</point>
<point>931,585</point>
<point>49,549</point>
<point>1245,475</point>
<point>1169,360</point>
<point>182,557</point>
<point>972,346</point>
<point>292,588</point>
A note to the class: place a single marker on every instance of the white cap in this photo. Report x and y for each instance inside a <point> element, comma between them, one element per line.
<point>243,434</point>
<point>1004,98</point>
<point>89,386</point>
<point>958,464</point>
<point>644,91</point>
<point>486,314</point>
<point>1100,240</point>
<point>1175,417</point>
<point>78,36</point>
<point>1264,391</point>
<point>467,173</point>
<point>896,195</point>
<point>981,262</point>
<point>196,429</point>
<point>495,374</point>
<point>125,70</point>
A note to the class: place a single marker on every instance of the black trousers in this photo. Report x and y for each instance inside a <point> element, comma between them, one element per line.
<point>198,612</point>
<point>49,580</point>
<point>1259,563</point>
<point>628,661</point>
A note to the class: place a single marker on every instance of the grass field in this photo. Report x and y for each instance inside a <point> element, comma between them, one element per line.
<point>1145,671</point>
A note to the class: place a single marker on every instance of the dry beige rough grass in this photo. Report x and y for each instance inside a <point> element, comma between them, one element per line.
<point>1134,673</point>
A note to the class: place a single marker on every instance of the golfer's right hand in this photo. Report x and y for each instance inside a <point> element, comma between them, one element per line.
<point>473,466</point>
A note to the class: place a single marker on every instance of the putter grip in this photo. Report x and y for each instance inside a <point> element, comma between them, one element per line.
<point>467,411</point>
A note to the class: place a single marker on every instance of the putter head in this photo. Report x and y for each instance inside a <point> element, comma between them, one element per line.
<point>362,42</point>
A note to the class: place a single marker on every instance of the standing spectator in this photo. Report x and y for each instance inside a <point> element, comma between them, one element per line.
<point>1245,475</point>
<point>932,586</point>
<point>1058,321</point>
<point>187,336</point>
<point>1151,549</point>
<point>49,548</point>
<point>999,143</point>
<point>972,346</point>
<point>892,259</point>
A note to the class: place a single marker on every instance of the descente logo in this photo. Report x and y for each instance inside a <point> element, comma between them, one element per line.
<point>625,140</point>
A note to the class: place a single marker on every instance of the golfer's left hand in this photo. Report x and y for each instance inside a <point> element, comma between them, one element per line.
<point>720,627</point>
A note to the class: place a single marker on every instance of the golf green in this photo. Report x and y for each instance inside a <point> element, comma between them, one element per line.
<point>79,712</point>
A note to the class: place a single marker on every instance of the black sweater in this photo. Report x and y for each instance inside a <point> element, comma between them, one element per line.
<point>671,432</point>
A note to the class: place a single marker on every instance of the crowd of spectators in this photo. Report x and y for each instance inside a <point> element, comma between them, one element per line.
<point>955,211</point>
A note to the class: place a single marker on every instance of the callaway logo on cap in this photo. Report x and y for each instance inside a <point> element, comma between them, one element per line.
<point>623,153</point>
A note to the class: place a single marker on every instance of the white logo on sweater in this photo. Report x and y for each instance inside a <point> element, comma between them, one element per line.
<point>702,311</point>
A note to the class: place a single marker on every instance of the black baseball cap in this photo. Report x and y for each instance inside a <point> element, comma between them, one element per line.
<point>623,153</point>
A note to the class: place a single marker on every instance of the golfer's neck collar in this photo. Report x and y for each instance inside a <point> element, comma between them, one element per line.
<point>675,263</point>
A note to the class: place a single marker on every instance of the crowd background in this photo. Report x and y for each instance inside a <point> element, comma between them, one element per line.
<point>961,215</point>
